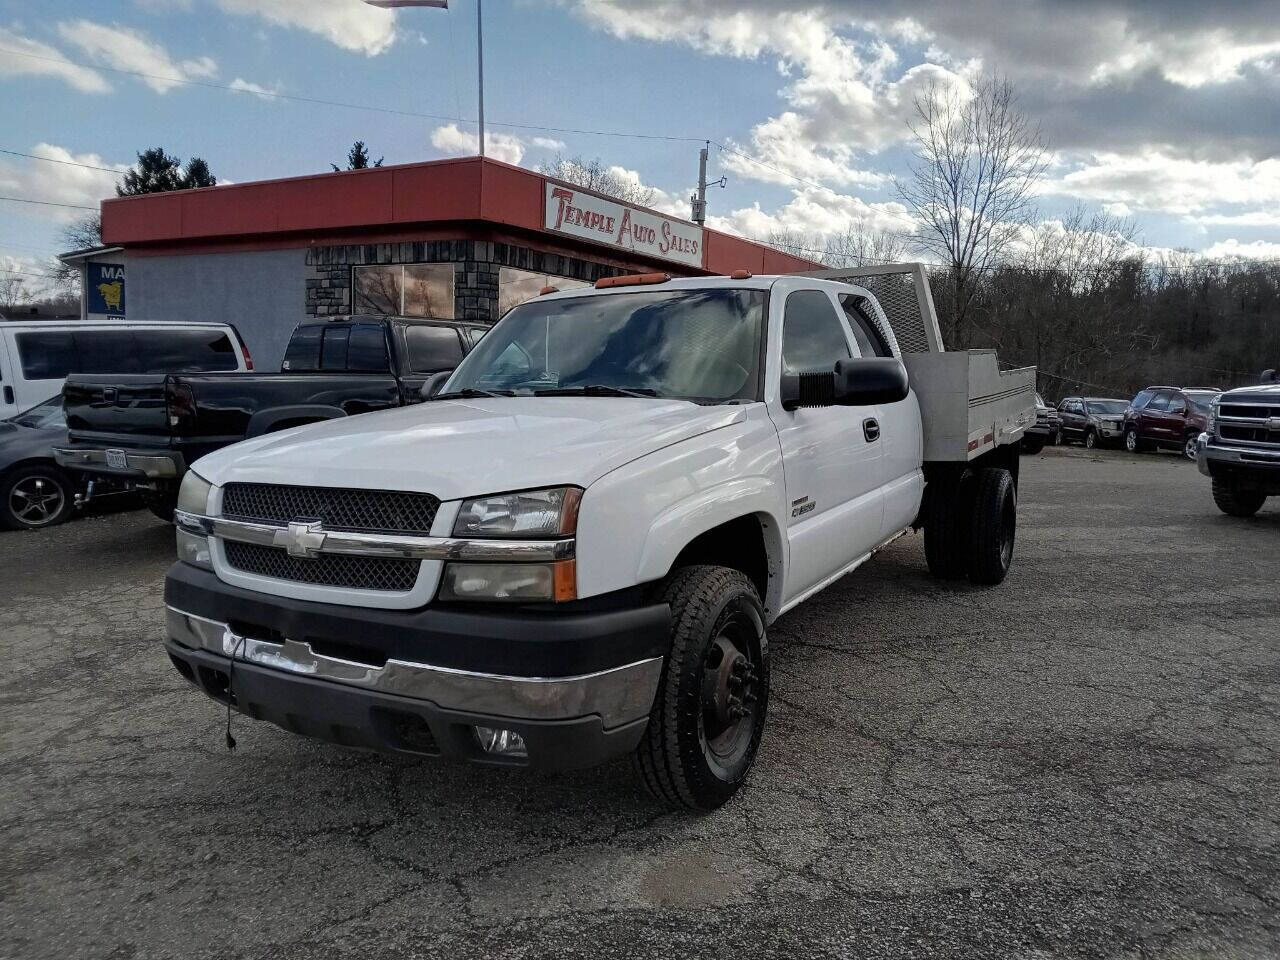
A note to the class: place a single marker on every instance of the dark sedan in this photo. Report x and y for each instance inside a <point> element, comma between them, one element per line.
<point>34,491</point>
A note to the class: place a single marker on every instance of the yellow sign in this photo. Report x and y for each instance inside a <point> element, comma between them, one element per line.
<point>111,293</point>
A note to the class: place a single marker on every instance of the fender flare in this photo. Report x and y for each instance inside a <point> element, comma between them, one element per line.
<point>686,520</point>
<point>265,421</point>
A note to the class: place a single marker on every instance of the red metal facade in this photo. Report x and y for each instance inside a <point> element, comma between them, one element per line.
<point>469,198</point>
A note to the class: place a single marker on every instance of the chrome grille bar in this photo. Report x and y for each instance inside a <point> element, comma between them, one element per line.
<point>382,544</point>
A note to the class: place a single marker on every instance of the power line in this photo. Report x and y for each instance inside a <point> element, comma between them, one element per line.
<point>351,106</point>
<point>49,203</point>
<point>69,163</point>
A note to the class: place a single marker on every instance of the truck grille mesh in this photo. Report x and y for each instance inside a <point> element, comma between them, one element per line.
<point>367,511</point>
<point>328,569</point>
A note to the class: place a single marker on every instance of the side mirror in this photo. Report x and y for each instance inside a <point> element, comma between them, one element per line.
<point>433,384</point>
<point>855,383</point>
<point>1269,376</point>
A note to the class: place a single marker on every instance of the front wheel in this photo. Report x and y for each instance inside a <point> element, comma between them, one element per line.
<point>1091,439</point>
<point>1032,446</point>
<point>1189,448</point>
<point>709,712</point>
<point>995,520</point>
<point>1235,502</point>
<point>1131,441</point>
<point>34,497</point>
<point>163,504</point>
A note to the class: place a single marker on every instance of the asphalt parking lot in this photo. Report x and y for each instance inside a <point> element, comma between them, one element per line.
<point>1082,762</point>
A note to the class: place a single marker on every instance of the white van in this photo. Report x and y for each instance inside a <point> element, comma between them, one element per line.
<point>37,355</point>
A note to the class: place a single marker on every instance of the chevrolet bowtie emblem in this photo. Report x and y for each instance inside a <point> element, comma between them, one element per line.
<point>1273,424</point>
<point>301,539</point>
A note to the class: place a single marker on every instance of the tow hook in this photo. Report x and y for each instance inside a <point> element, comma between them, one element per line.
<point>81,500</point>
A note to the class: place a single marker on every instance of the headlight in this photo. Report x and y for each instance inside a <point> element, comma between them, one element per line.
<point>510,581</point>
<point>193,495</point>
<point>532,513</point>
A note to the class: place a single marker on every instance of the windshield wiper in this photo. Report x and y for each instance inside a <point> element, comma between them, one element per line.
<point>471,393</point>
<point>596,390</point>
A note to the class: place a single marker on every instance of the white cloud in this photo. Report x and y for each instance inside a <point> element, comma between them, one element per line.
<point>1154,181</point>
<point>453,142</point>
<point>127,49</point>
<point>257,89</point>
<point>351,24</point>
<point>62,182</point>
<point>672,204</point>
<point>1235,250</point>
<point>33,58</point>
<point>816,210</point>
<point>547,143</point>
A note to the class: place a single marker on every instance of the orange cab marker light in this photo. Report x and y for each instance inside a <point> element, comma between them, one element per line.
<point>632,279</point>
<point>564,574</point>
<point>740,275</point>
<point>545,290</point>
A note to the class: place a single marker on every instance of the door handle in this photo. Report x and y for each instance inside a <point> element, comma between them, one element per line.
<point>8,394</point>
<point>871,429</point>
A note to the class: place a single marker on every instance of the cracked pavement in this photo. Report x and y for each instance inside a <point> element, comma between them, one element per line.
<point>1079,763</point>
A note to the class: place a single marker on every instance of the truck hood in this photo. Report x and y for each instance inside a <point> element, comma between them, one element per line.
<point>1263,393</point>
<point>466,448</point>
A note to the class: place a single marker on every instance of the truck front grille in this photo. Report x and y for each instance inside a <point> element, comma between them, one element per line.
<point>367,511</point>
<point>328,569</point>
<point>1248,434</point>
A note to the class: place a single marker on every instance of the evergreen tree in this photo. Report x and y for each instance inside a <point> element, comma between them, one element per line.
<point>358,158</point>
<point>157,172</point>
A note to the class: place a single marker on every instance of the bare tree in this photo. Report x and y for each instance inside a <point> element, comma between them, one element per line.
<point>594,175</point>
<point>13,291</point>
<point>861,244</point>
<point>795,242</point>
<point>971,183</point>
<point>79,235</point>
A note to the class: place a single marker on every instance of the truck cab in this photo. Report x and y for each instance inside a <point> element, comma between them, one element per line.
<point>575,548</point>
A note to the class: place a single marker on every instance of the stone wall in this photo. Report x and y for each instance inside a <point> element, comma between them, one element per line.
<point>476,264</point>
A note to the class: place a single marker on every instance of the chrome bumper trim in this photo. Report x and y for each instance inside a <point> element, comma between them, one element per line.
<point>1207,450</point>
<point>381,544</point>
<point>618,696</point>
<point>157,467</point>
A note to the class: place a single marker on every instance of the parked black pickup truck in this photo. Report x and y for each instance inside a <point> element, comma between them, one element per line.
<point>147,429</point>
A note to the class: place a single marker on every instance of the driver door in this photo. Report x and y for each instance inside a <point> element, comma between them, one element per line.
<point>831,468</point>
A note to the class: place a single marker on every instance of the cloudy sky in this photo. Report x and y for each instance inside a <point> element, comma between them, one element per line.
<point>1166,111</point>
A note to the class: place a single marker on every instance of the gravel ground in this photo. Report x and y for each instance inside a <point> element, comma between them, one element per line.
<point>1082,762</point>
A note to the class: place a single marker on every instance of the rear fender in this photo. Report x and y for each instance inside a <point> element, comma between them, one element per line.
<point>268,421</point>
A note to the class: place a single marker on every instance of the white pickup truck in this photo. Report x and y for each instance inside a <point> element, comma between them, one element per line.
<point>574,548</point>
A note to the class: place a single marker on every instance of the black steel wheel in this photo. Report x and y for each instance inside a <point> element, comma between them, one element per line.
<point>35,497</point>
<point>709,712</point>
<point>995,522</point>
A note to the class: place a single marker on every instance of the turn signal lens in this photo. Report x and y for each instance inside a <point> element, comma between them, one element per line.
<point>510,581</point>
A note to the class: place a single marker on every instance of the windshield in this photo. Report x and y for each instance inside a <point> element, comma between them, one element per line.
<point>1201,399</point>
<point>699,345</point>
<point>1108,407</point>
<point>47,414</point>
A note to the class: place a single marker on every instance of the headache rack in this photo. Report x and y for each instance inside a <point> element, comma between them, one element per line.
<point>968,405</point>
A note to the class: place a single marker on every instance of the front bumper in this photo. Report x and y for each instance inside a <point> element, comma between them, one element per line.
<point>1108,431</point>
<point>121,462</point>
<point>577,688</point>
<point>1214,458</point>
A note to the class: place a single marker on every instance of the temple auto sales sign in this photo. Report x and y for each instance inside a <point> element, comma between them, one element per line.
<point>617,225</point>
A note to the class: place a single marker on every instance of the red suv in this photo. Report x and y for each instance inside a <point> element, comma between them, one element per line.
<point>1169,417</point>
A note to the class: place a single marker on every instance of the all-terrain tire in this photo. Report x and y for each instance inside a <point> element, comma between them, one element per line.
<point>1236,502</point>
<point>994,521</point>
<point>947,507</point>
<point>672,758</point>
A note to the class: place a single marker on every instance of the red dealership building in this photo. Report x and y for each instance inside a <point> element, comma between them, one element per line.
<point>464,239</point>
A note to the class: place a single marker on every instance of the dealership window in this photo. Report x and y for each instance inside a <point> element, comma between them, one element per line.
<point>404,289</point>
<point>517,286</point>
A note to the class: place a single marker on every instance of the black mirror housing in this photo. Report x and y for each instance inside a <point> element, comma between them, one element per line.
<point>855,383</point>
<point>431,386</point>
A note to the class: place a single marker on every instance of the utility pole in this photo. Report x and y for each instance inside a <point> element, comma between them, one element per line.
<point>698,202</point>
<point>480,65</point>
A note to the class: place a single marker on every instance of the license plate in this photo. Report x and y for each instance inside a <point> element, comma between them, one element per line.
<point>116,460</point>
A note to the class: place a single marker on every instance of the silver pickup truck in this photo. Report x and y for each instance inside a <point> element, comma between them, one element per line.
<point>1240,450</point>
